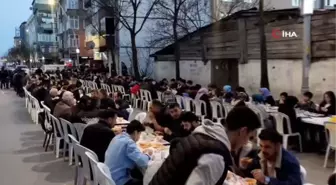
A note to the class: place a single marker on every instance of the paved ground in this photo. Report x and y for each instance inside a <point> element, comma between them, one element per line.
<point>23,161</point>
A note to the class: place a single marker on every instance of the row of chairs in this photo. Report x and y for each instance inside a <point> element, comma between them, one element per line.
<point>58,131</point>
<point>88,86</point>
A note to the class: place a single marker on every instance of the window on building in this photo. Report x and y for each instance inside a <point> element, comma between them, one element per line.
<point>42,49</point>
<point>73,41</point>
<point>72,4</point>
<point>248,1</point>
<point>73,22</point>
<point>296,3</point>
<point>329,2</point>
<point>227,0</point>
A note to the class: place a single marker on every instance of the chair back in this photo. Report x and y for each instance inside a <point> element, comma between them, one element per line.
<point>331,128</point>
<point>74,141</point>
<point>217,109</point>
<point>199,104</point>
<point>65,124</point>
<point>179,100</point>
<point>47,120</point>
<point>85,164</point>
<point>159,94</point>
<point>188,103</point>
<point>79,127</point>
<point>142,94</point>
<point>130,112</point>
<point>104,175</point>
<point>303,173</point>
<point>141,116</point>
<point>93,160</point>
<point>58,129</point>
<point>279,120</point>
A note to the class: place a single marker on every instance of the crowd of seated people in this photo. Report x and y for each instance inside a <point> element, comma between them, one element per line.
<point>213,148</point>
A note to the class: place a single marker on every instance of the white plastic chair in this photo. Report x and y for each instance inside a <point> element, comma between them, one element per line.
<point>48,128</point>
<point>104,175</point>
<point>77,161</point>
<point>93,160</point>
<point>331,136</point>
<point>58,131</point>
<point>79,129</point>
<point>303,173</point>
<point>130,112</point>
<point>179,100</point>
<point>66,140</point>
<point>217,110</point>
<point>279,117</point>
<point>84,170</point>
<point>198,105</point>
<point>36,110</point>
<point>159,94</point>
<point>188,103</point>
<point>141,116</point>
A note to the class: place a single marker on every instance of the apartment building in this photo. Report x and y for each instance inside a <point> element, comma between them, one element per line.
<point>71,30</point>
<point>39,34</point>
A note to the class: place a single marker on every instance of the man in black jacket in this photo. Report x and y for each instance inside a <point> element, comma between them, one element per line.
<point>98,136</point>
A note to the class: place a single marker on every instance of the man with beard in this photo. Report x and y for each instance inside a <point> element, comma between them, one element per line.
<point>189,122</point>
<point>275,165</point>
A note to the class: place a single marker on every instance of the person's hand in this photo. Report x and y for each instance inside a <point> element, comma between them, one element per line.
<point>167,131</point>
<point>158,133</point>
<point>259,176</point>
<point>148,151</point>
<point>245,162</point>
<point>324,109</point>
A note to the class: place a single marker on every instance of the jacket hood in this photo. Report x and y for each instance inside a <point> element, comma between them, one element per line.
<point>214,130</point>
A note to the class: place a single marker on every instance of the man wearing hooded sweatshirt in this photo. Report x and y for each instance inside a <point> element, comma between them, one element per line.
<point>203,158</point>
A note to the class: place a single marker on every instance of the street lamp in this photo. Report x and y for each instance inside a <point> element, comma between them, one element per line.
<point>77,52</point>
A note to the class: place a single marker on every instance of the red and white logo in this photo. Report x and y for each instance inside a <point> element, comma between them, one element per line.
<point>278,34</point>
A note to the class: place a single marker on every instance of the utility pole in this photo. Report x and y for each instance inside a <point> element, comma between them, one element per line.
<point>263,50</point>
<point>307,11</point>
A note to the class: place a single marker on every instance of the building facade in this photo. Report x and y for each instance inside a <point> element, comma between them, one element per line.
<point>71,30</point>
<point>39,33</point>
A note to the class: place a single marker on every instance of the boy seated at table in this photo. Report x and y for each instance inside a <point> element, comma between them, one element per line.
<point>306,103</point>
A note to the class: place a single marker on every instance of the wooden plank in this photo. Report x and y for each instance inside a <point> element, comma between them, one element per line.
<point>323,30</point>
<point>326,15</point>
<point>242,41</point>
<point>277,56</point>
<point>328,45</point>
<point>323,22</point>
<point>325,37</point>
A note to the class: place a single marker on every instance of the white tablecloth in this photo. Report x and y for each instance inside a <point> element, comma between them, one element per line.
<point>316,120</point>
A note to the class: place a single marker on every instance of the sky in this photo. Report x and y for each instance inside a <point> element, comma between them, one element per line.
<point>12,14</point>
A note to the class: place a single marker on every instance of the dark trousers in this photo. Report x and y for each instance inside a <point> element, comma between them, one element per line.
<point>137,177</point>
<point>4,84</point>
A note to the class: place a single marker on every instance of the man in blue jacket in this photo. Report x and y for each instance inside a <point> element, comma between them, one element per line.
<point>123,155</point>
<point>275,166</point>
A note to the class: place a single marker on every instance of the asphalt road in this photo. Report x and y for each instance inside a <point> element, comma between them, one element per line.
<point>22,158</point>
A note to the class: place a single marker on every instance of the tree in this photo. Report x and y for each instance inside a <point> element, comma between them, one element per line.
<point>128,14</point>
<point>226,8</point>
<point>171,11</point>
